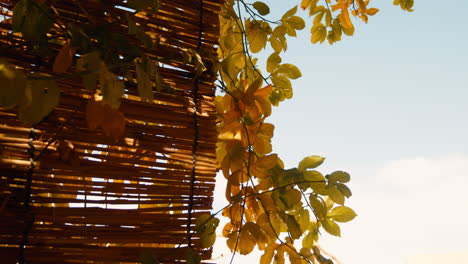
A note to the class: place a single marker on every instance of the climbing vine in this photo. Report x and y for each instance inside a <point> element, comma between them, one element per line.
<point>278,210</point>
<point>281,211</point>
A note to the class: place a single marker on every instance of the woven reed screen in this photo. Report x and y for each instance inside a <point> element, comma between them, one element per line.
<point>69,194</point>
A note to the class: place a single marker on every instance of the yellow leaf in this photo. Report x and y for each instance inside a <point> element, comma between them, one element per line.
<point>267,162</point>
<point>268,254</point>
<point>342,214</point>
<point>310,162</point>
<point>331,227</point>
<point>246,242</point>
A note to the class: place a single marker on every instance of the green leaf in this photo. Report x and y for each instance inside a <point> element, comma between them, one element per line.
<point>318,206</point>
<point>303,218</point>
<point>290,198</point>
<point>206,228</point>
<point>293,226</point>
<point>90,62</point>
<point>261,8</point>
<point>289,70</point>
<point>13,85</point>
<point>331,227</point>
<point>31,19</point>
<point>339,176</point>
<point>310,162</point>
<point>334,193</point>
<point>192,257</point>
<point>342,214</point>
<point>317,181</point>
<point>112,88</point>
<point>344,189</point>
<point>308,241</point>
<point>144,84</point>
<point>148,257</point>
<point>42,96</point>
<point>19,14</point>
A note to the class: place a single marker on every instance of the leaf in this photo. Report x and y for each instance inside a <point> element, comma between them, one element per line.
<point>348,31</point>
<point>63,60</point>
<point>318,206</point>
<point>246,242</point>
<point>342,214</point>
<point>206,228</point>
<point>148,257</point>
<point>305,4</point>
<point>273,61</point>
<point>19,14</point>
<point>256,232</point>
<point>31,19</point>
<point>112,88</point>
<point>308,240</point>
<point>319,33</point>
<point>192,257</point>
<point>290,198</point>
<point>331,227</point>
<point>268,253</point>
<point>289,70</point>
<point>293,226</point>
<point>289,13</point>
<point>13,85</point>
<point>339,176</point>
<point>344,189</point>
<point>262,8</point>
<point>296,22</point>
<point>335,194</point>
<point>42,97</point>
<point>113,124</point>
<point>94,114</point>
<point>372,11</point>
<point>310,162</point>
<point>144,84</point>
<point>256,36</point>
<point>89,62</point>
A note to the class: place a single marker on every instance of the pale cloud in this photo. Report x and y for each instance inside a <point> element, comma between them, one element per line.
<point>415,206</point>
<point>409,207</point>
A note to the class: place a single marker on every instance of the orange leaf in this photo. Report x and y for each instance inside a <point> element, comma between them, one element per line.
<point>94,114</point>
<point>113,124</point>
<point>64,58</point>
<point>344,19</point>
<point>372,11</point>
<point>264,92</point>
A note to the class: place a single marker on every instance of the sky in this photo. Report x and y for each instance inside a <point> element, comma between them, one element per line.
<point>390,106</point>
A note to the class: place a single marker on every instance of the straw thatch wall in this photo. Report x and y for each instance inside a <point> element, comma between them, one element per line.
<point>69,194</point>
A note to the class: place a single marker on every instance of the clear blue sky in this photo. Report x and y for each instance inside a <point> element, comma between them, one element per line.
<point>390,106</point>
